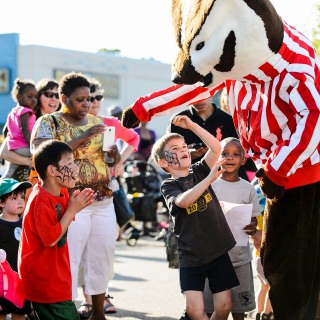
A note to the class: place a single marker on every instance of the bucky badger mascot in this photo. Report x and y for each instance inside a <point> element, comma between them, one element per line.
<point>271,72</point>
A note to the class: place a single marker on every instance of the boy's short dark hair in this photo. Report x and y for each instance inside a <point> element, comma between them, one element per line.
<point>234,141</point>
<point>49,153</point>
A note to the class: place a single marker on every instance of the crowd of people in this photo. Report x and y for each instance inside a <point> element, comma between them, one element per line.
<point>66,196</point>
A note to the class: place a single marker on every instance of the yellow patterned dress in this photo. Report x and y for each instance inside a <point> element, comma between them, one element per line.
<point>93,171</point>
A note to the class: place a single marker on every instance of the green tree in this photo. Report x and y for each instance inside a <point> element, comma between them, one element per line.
<point>316,31</point>
<point>113,51</point>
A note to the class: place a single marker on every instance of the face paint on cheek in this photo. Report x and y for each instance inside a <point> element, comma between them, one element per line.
<point>172,158</point>
<point>64,174</point>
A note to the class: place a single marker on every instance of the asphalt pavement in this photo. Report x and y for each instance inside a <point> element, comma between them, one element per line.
<point>143,287</point>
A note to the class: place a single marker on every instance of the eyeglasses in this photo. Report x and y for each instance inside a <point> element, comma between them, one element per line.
<point>98,98</point>
<point>50,94</point>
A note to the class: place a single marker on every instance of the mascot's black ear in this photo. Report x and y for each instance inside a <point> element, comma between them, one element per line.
<point>269,189</point>
<point>129,119</point>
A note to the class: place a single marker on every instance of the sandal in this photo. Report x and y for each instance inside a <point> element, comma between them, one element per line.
<point>109,307</point>
<point>267,316</point>
<point>85,311</point>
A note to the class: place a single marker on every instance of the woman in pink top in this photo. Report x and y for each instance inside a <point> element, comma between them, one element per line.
<point>20,122</point>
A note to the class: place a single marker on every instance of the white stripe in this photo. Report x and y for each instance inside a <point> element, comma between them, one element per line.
<point>165,98</point>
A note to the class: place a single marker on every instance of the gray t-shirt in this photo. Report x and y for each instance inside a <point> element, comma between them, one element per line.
<point>202,231</point>
<point>240,192</point>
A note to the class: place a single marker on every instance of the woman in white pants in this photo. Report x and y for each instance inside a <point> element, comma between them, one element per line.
<point>93,233</point>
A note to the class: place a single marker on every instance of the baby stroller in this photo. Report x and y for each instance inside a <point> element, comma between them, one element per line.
<point>143,182</point>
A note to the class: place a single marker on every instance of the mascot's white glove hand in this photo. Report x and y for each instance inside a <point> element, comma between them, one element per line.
<point>269,189</point>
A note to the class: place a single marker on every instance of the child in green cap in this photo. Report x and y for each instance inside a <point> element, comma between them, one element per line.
<point>12,203</point>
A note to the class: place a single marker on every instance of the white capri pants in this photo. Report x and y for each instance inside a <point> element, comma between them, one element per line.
<point>92,241</point>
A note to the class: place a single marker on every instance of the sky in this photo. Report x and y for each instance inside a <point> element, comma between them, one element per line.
<point>138,28</point>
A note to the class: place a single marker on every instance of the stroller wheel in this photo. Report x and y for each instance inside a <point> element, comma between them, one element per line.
<point>131,242</point>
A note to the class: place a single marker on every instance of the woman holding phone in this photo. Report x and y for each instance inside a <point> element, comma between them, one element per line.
<point>92,236</point>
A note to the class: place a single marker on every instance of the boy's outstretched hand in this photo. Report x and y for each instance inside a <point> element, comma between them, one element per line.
<point>216,171</point>
<point>80,199</point>
<point>183,122</point>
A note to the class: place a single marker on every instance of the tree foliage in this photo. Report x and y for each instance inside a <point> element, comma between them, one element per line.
<point>112,51</point>
<point>316,31</point>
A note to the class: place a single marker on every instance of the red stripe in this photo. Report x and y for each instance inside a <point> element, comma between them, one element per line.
<point>183,99</point>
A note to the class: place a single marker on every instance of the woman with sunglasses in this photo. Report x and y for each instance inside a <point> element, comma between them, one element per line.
<point>47,102</point>
<point>48,97</point>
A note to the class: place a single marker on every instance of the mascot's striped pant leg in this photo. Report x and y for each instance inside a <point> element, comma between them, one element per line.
<point>291,252</point>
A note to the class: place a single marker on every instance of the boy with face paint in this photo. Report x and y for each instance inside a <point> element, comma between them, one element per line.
<point>43,259</point>
<point>203,235</point>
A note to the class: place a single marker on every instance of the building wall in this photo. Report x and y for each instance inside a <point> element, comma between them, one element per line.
<point>9,44</point>
<point>124,79</point>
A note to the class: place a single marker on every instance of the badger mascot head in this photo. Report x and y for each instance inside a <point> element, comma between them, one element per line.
<point>271,73</point>
<point>223,39</point>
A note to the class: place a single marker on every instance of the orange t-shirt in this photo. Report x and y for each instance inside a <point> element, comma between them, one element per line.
<point>44,271</point>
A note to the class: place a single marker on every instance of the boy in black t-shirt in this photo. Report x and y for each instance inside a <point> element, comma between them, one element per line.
<point>204,237</point>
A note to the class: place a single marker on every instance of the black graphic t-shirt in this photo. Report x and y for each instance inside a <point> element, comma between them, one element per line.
<point>10,234</point>
<point>202,231</point>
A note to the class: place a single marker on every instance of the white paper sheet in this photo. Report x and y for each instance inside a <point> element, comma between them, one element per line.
<point>238,216</point>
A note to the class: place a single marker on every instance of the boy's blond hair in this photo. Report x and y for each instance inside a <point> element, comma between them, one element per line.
<point>157,151</point>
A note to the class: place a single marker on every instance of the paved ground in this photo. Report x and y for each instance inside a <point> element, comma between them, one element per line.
<point>144,287</point>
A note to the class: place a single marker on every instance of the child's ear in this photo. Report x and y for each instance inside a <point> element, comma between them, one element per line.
<point>51,170</point>
<point>244,160</point>
<point>163,163</point>
<point>63,98</point>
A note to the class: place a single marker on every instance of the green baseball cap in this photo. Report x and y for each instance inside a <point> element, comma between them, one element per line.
<point>8,185</point>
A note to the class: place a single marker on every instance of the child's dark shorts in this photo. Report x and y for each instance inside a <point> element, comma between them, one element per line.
<point>220,273</point>
<point>64,310</point>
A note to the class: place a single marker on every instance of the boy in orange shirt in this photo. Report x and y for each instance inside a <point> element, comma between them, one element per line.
<point>43,260</point>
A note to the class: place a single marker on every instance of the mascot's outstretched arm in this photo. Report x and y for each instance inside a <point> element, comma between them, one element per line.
<point>164,102</point>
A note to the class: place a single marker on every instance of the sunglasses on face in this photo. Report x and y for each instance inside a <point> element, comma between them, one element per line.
<point>49,94</point>
<point>98,98</point>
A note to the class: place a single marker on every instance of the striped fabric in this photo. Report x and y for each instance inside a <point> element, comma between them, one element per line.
<point>275,109</point>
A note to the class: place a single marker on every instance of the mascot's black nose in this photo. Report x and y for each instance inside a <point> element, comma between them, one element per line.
<point>176,79</point>
<point>207,80</point>
<point>183,72</point>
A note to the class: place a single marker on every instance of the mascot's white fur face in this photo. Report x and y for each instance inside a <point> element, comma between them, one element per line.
<point>223,39</point>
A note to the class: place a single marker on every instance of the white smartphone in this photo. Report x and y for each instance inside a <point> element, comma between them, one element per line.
<point>108,138</point>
